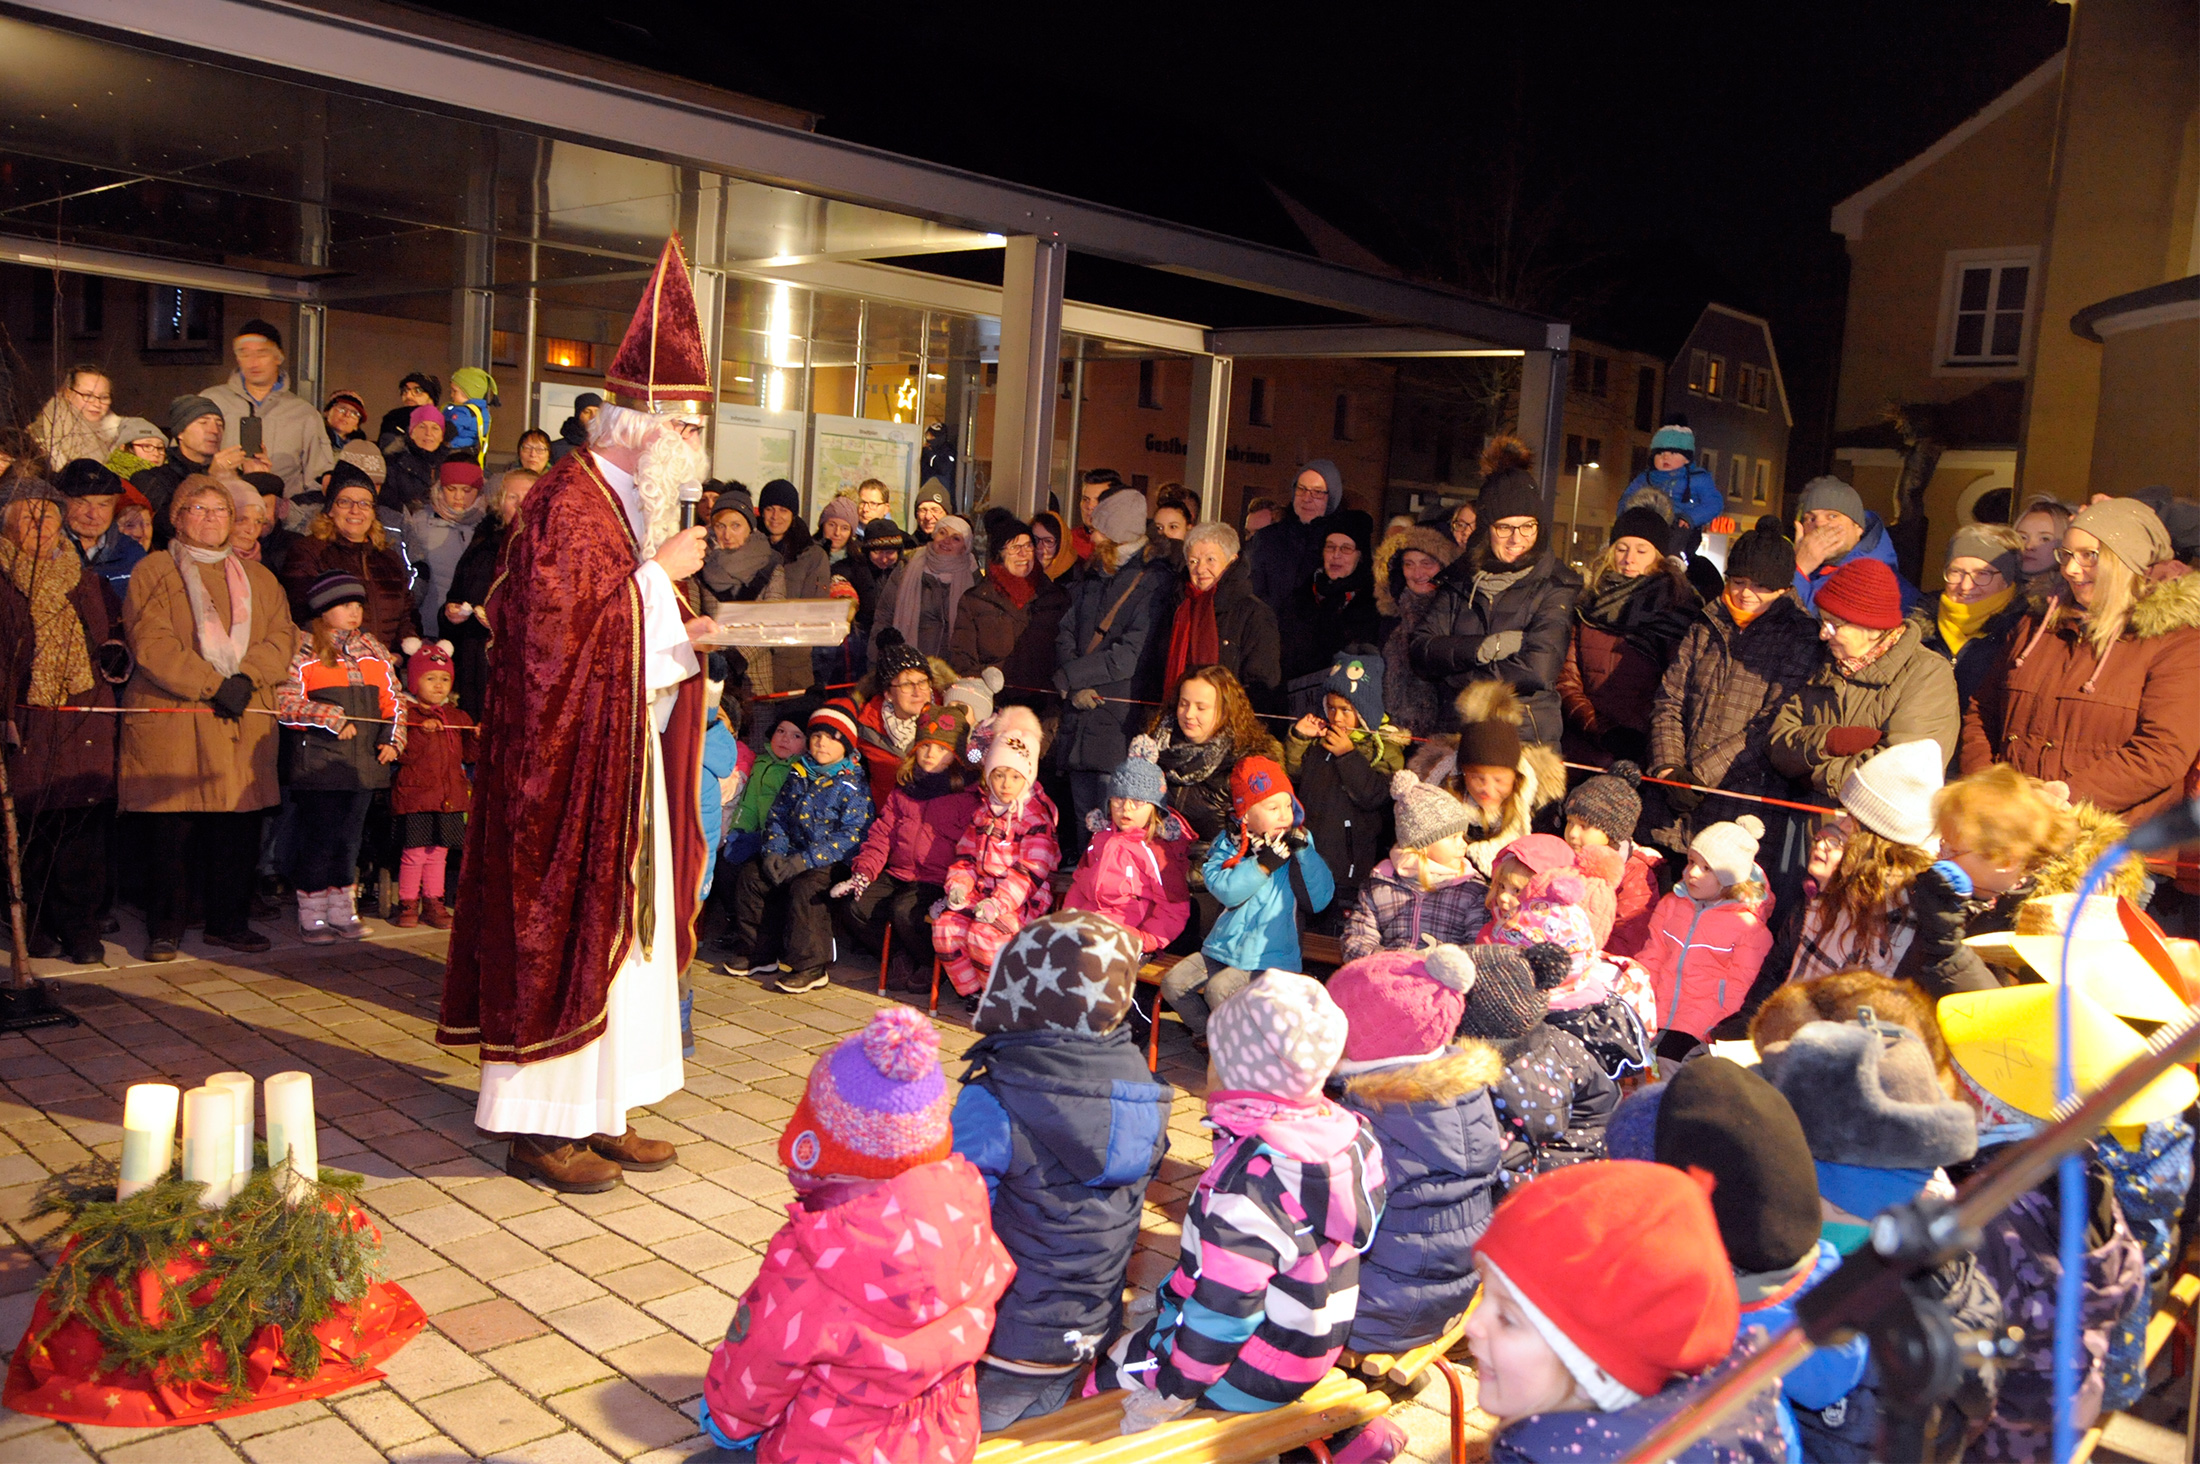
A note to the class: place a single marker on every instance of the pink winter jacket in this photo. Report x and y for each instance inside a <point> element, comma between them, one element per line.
<point>913,839</point>
<point>1137,881</point>
<point>1006,855</point>
<point>859,1339</point>
<point>1703,959</point>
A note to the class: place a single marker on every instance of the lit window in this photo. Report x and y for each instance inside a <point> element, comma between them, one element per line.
<point>1714,377</point>
<point>566,355</point>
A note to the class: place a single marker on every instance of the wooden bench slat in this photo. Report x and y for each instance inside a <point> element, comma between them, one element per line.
<point>2175,1308</point>
<point>1088,1430</point>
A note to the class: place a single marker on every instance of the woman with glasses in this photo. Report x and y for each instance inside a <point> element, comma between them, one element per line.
<point>79,419</point>
<point>1978,601</point>
<point>2099,681</point>
<point>209,630</point>
<point>1504,610</point>
<point>352,539</point>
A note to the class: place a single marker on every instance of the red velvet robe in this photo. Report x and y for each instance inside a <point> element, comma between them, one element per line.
<point>548,896</point>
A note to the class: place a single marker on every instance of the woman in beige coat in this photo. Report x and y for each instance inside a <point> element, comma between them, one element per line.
<point>217,645</point>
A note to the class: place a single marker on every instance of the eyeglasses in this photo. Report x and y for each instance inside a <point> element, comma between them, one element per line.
<point>912,682</point>
<point>203,510</point>
<point>2083,558</point>
<point>93,396</point>
<point>1512,532</point>
<point>1970,578</point>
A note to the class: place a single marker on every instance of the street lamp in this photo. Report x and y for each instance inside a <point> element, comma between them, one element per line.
<point>1573,529</point>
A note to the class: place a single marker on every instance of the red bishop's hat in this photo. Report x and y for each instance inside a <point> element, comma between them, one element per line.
<point>660,366</point>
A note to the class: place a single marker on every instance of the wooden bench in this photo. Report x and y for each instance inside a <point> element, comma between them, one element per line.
<point>1404,1369</point>
<point>1089,1430</point>
<point>1314,950</point>
<point>2176,1312</point>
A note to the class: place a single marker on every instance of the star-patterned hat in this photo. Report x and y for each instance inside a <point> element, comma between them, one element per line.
<point>1072,971</point>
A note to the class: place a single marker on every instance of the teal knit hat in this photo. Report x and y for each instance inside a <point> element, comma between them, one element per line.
<point>1673,438</point>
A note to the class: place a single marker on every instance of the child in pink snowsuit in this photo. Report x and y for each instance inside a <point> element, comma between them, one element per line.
<point>1002,862</point>
<point>860,1337</point>
<point>1133,871</point>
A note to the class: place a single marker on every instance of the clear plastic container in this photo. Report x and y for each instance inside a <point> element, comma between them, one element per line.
<point>783,623</point>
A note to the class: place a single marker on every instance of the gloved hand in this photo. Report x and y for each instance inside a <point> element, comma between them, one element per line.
<point>1680,800</point>
<point>986,912</point>
<point>1940,906</point>
<point>957,898</point>
<point>232,697</point>
<point>115,662</point>
<point>854,884</point>
<point>717,1430</point>
<point>1849,741</point>
<point>1296,838</point>
<point>1271,858</point>
<point>1498,645</point>
<point>779,868</point>
<point>1143,1408</point>
<point>1084,699</point>
<point>939,908</point>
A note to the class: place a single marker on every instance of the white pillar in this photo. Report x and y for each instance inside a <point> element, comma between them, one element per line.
<point>1210,433</point>
<point>1030,370</point>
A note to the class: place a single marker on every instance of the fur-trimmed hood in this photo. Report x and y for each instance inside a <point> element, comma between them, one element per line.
<point>1469,1064</point>
<point>1542,772</point>
<point>1432,542</point>
<point>2161,606</point>
<point>2097,832</point>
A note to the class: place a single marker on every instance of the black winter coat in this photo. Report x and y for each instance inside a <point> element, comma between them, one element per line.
<point>1123,663</point>
<point>1250,645</point>
<point>469,638</point>
<point>1326,616</point>
<point>1448,646</point>
<point>316,759</point>
<point>411,476</point>
<point>1068,1132</point>
<point>1348,808</point>
<point>991,631</point>
<point>1285,557</point>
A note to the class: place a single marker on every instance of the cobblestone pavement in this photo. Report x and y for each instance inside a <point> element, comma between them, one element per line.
<point>563,1328</point>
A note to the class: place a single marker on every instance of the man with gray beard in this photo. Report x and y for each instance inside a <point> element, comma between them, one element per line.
<point>584,857</point>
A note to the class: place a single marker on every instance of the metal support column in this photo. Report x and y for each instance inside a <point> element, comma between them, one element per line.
<point>1210,434</point>
<point>473,301</point>
<point>1543,410</point>
<point>308,357</point>
<point>704,220</point>
<point>1030,372</point>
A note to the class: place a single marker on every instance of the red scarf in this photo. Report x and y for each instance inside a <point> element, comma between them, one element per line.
<point>1194,640</point>
<point>1018,589</point>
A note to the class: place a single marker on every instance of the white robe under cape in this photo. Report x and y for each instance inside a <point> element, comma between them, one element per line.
<point>637,1060</point>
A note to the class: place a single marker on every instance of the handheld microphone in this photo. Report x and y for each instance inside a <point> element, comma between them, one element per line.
<point>2170,829</point>
<point>690,495</point>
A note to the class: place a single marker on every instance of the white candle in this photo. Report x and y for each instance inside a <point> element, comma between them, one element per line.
<point>290,1132</point>
<point>210,1143</point>
<point>240,1095</point>
<point>148,1135</point>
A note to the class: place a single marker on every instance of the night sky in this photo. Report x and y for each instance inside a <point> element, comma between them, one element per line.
<point>1654,156</point>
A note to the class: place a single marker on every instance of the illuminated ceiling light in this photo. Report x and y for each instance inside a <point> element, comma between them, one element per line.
<point>995,241</point>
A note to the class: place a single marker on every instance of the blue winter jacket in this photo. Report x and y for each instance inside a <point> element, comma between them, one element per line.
<point>1259,924</point>
<point>112,558</point>
<point>1695,493</point>
<point>1874,545</point>
<point>1829,1374</point>
<point>1068,1131</point>
<point>821,813</point>
<point>1443,1149</point>
<point>1750,1436</point>
<point>721,755</point>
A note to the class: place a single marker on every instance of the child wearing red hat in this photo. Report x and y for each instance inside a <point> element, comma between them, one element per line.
<point>860,1337</point>
<point>1266,873</point>
<point>431,794</point>
<point>1607,1293</point>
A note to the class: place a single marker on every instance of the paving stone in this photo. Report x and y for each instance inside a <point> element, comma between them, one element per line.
<point>602,1253</point>
<point>548,1288</point>
<point>431,1364</point>
<point>492,1255</point>
<point>551,1363</point>
<point>604,1323</point>
<point>201,1445</point>
<point>402,1256</point>
<point>701,1251</point>
<point>501,1197</point>
<point>330,1441</point>
<point>667,1364</point>
<point>488,1417</point>
<point>251,1425</point>
<point>386,1419</point>
<point>623,1416</point>
<point>488,1324</point>
<point>648,1281</point>
<point>552,1227</point>
<point>446,1289</point>
<point>701,1312</point>
<point>564,1448</point>
<point>649,1226</point>
<point>443,1224</point>
<point>734,1277</point>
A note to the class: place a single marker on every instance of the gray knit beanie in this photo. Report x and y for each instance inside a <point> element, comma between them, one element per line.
<point>1830,492</point>
<point>1425,812</point>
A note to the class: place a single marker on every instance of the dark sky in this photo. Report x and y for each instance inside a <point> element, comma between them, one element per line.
<point>1660,155</point>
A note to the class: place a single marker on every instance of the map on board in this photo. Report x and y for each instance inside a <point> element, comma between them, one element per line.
<point>754,446</point>
<point>850,449</point>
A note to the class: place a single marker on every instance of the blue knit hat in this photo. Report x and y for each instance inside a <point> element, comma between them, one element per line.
<point>1139,778</point>
<point>1357,676</point>
<point>1673,438</point>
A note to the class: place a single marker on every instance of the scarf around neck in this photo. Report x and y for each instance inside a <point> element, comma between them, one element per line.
<point>1606,602</point>
<point>957,574</point>
<point>1742,617</point>
<point>1195,639</point>
<point>1018,589</point>
<point>61,663</point>
<point>1184,762</point>
<point>1960,624</point>
<point>1853,666</point>
<point>222,646</point>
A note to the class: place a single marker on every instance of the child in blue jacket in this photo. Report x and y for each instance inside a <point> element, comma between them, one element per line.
<point>817,821</point>
<point>1060,1115</point>
<point>1262,869</point>
<point>1673,471</point>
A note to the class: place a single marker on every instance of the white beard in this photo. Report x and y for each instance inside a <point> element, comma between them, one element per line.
<point>668,461</point>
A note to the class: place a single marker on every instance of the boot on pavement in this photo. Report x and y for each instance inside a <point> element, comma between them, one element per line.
<point>313,918</point>
<point>435,912</point>
<point>631,1151</point>
<point>408,914</point>
<point>342,919</point>
<point>563,1164</point>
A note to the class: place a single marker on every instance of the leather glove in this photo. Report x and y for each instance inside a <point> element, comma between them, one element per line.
<point>855,884</point>
<point>1498,645</point>
<point>1680,800</point>
<point>1849,741</point>
<point>1143,1409</point>
<point>232,697</point>
<point>115,662</point>
<point>1084,699</point>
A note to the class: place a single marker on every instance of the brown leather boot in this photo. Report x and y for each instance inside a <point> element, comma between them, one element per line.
<point>631,1151</point>
<point>436,913</point>
<point>562,1164</point>
<point>408,914</point>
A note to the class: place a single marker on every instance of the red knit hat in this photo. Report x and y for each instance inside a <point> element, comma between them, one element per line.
<point>1862,592</point>
<point>1623,1261</point>
<point>1253,779</point>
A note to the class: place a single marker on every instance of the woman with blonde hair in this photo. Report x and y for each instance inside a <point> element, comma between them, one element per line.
<point>351,539</point>
<point>2099,678</point>
<point>78,420</point>
<point>1629,620</point>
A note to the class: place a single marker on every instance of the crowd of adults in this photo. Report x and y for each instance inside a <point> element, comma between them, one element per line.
<point>161,565</point>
